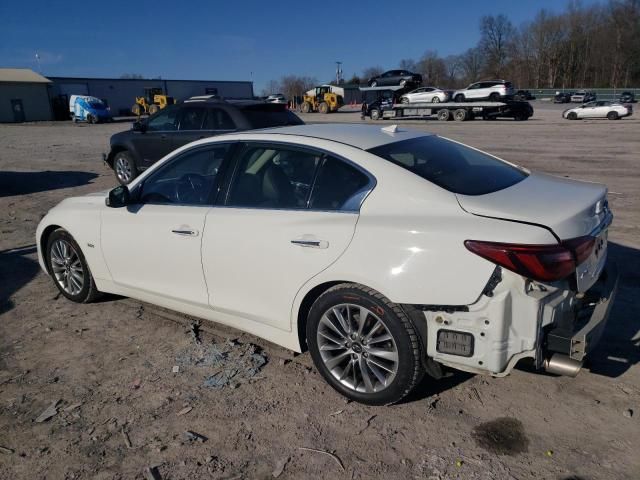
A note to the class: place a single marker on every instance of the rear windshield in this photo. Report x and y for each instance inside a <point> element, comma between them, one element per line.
<point>452,166</point>
<point>267,117</point>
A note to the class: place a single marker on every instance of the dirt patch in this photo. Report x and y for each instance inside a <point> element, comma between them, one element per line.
<point>502,436</point>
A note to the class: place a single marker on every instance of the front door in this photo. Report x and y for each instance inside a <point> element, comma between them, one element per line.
<point>154,245</point>
<point>190,120</point>
<point>157,139</point>
<point>18,110</point>
<point>277,230</point>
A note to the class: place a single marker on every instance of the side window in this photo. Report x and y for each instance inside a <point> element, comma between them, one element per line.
<point>339,186</point>
<point>218,119</point>
<point>474,86</point>
<point>273,177</point>
<point>189,179</point>
<point>163,121</point>
<point>191,118</point>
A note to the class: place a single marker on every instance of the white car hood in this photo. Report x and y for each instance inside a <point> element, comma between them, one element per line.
<point>570,208</point>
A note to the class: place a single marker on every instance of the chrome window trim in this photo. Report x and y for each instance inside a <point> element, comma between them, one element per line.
<point>362,194</point>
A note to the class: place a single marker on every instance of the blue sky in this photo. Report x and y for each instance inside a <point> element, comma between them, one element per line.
<point>239,40</point>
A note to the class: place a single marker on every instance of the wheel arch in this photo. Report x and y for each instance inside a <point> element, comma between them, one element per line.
<point>42,243</point>
<point>115,149</point>
<point>305,307</point>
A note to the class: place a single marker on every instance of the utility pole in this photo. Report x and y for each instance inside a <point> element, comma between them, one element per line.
<point>338,73</point>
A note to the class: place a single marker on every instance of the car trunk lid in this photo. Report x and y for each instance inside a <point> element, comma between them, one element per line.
<point>569,208</point>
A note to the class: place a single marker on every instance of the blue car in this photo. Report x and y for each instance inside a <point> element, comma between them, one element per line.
<point>88,109</point>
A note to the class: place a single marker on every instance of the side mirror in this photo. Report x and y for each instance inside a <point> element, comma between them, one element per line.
<point>139,126</point>
<point>118,197</point>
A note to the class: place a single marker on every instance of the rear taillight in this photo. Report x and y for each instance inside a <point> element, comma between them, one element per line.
<point>581,247</point>
<point>546,263</point>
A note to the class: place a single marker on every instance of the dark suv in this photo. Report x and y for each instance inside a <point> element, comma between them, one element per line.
<point>151,139</point>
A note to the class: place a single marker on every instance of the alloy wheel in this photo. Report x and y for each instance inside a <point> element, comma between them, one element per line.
<point>357,348</point>
<point>67,267</point>
<point>123,170</point>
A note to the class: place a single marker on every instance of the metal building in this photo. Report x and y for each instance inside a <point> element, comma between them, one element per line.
<point>120,93</point>
<point>23,96</point>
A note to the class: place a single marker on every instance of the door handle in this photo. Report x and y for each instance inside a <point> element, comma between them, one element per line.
<point>185,232</point>
<point>311,243</point>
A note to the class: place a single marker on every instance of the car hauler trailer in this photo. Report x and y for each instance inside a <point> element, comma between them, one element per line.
<point>387,106</point>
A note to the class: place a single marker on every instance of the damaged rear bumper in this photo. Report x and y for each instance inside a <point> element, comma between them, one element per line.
<point>549,323</point>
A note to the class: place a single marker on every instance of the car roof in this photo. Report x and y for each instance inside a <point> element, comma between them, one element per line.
<point>353,134</point>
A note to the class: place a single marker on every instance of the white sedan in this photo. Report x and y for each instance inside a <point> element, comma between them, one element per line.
<point>425,94</point>
<point>598,109</point>
<point>387,253</point>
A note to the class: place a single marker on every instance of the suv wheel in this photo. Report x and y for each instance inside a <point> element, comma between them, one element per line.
<point>374,84</point>
<point>494,97</point>
<point>69,268</point>
<point>459,98</point>
<point>364,346</point>
<point>124,167</point>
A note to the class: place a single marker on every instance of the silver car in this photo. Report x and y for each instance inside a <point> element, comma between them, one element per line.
<point>425,94</point>
<point>492,90</point>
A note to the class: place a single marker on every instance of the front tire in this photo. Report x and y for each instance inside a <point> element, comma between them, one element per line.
<point>374,84</point>
<point>364,346</point>
<point>572,116</point>
<point>305,107</point>
<point>69,269</point>
<point>459,98</point>
<point>375,114</point>
<point>124,167</point>
<point>323,107</point>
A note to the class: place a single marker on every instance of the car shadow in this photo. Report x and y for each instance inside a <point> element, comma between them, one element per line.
<point>16,270</point>
<point>619,348</point>
<point>22,183</point>
<point>429,386</point>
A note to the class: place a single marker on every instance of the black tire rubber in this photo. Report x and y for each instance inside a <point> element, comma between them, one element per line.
<point>460,115</point>
<point>444,115</point>
<point>459,98</point>
<point>89,292</point>
<point>376,114</point>
<point>435,99</point>
<point>90,118</point>
<point>410,350</point>
<point>612,115</point>
<point>153,108</point>
<point>374,84</point>
<point>494,97</point>
<point>134,170</point>
<point>572,116</point>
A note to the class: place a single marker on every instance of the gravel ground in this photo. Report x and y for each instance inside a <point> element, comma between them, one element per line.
<point>117,404</point>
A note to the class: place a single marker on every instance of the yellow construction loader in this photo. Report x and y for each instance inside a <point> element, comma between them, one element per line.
<point>154,99</point>
<point>323,99</point>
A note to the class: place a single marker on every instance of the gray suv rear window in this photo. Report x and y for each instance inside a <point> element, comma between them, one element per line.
<point>452,166</point>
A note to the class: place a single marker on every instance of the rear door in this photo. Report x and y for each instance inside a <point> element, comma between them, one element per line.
<point>190,121</point>
<point>289,213</point>
<point>156,141</point>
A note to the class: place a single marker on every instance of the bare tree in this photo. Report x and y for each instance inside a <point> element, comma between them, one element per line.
<point>453,68</point>
<point>471,63</point>
<point>432,68</point>
<point>407,64</point>
<point>273,86</point>
<point>495,35</point>
<point>371,72</point>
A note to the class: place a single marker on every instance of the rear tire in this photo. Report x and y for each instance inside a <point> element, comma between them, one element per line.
<point>403,83</point>
<point>137,110</point>
<point>305,107</point>
<point>90,118</point>
<point>375,360</point>
<point>375,114</point>
<point>612,115</point>
<point>460,115</point>
<point>323,107</point>
<point>69,269</point>
<point>124,167</point>
<point>153,108</point>
<point>374,84</point>
<point>444,115</point>
<point>494,97</point>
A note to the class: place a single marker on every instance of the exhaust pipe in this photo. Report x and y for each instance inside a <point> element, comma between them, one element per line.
<point>559,364</point>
